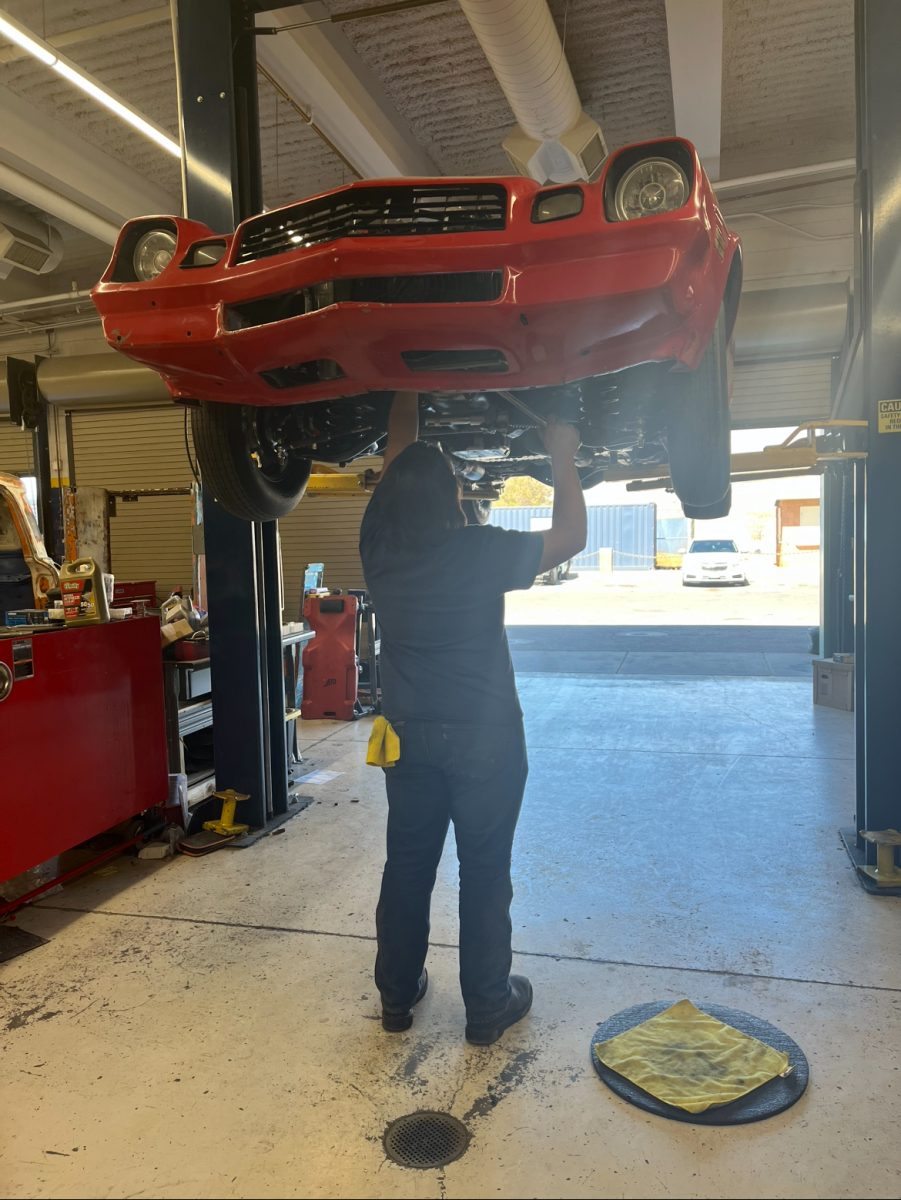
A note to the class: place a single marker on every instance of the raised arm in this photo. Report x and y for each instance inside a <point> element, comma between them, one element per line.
<point>569,525</point>
<point>403,425</point>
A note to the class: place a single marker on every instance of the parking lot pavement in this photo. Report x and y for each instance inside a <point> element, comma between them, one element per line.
<point>775,596</point>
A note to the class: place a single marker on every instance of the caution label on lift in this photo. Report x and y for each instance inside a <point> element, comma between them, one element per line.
<point>890,416</point>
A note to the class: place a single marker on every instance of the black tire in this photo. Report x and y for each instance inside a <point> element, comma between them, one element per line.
<point>226,438</point>
<point>476,512</point>
<point>697,424</point>
<point>713,511</point>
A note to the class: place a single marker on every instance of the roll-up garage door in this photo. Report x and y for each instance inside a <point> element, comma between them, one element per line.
<point>770,395</point>
<point>16,450</point>
<point>322,529</point>
<point>150,538</point>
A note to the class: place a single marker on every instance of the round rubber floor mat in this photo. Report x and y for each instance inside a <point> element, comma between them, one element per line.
<point>425,1140</point>
<point>773,1097</point>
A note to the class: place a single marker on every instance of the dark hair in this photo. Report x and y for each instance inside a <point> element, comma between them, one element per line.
<point>419,498</point>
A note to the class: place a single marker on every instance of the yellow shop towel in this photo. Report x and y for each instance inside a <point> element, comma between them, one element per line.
<point>687,1058</point>
<point>384,744</point>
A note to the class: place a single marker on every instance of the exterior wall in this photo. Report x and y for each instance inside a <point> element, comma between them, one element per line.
<point>797,529</point>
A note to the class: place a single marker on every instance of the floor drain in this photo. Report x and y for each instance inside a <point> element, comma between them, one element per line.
<point>426,1139</point>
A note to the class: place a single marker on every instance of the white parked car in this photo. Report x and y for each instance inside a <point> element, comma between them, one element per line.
<point>713,560</point>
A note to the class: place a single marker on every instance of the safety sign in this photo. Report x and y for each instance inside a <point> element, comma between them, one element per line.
<point>890,416</point>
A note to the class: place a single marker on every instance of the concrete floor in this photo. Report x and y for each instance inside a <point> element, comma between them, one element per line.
<point>786,596</point>
<point>208,1027</point>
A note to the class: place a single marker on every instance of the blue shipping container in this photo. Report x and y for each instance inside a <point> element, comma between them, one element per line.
<point>626,529</point>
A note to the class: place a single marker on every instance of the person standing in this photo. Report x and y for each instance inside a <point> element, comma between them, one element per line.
<point>448,690</point>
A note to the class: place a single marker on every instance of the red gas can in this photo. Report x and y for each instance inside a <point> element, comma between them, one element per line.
<point>330,663</point>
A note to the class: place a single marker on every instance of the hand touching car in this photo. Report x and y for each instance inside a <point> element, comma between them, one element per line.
<point>561,440</point>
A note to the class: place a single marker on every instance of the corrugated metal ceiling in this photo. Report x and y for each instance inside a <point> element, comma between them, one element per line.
<point>433,68</point>
<point>788,83</point>
<point>139,66</point>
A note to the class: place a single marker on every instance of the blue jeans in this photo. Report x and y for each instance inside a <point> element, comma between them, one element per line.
<point>473,775</point>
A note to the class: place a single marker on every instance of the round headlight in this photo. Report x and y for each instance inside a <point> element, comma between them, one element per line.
<point>153,253</point>
<point>656,185</point>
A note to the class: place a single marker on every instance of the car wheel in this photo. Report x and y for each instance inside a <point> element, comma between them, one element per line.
<point>245,464</point>
<point>476,512</point>
<point>554,576</point>
<point>567,571</point>
<point>697,427</point>
<point>720,509</point>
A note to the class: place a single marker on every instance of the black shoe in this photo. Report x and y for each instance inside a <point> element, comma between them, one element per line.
<point>397,1022</point>
<point>484,1033</point>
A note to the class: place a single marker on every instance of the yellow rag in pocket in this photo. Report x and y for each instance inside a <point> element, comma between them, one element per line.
<point>687,1058</point>
<point>384,744</point>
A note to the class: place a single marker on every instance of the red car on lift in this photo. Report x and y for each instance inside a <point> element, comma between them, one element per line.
<point>499,300</point>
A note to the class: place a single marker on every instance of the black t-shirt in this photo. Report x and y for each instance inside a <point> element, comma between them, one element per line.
<point>441,612</point>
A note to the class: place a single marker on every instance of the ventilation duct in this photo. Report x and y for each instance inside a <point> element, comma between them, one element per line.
<point>554,140</point>
<point>27,243</point>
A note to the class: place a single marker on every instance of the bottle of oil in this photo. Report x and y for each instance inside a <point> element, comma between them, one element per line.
<point>84,596</point>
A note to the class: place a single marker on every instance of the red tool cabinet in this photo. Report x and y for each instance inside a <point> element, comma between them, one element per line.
<point>82,735</point>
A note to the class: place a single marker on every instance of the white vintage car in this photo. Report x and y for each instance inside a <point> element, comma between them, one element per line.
<point>713,560</point>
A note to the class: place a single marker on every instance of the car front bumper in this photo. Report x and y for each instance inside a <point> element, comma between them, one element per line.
<point>714,578</point>
<point>579,299</point>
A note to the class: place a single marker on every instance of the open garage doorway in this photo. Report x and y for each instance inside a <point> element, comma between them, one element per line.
<point>657,594</point>
<point>679,771</point>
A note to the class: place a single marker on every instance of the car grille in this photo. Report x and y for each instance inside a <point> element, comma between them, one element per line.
<point>402,211</point>
<point>466,287</point>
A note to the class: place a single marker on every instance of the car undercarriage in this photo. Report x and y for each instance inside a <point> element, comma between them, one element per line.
<point>490,436</point>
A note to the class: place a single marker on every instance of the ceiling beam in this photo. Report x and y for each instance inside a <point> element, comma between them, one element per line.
<point>53,204</point>
<point>320,70</point>
<point>695,35</point>
<point>103,29</point>
<point>68,177</point>
<point>786,179</point>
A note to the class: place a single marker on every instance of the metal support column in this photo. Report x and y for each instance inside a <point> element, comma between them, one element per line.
<point>837,583</point>
<point>216,69</point>
<point>28,409</point>
<point>878,590</point>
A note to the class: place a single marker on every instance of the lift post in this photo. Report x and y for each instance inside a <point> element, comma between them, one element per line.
<point>878,491</point>
<point>215,56</point>
<point>837,559</point>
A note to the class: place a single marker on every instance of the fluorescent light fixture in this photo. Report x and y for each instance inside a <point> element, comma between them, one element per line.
<point>119,107</point>
<point>15,32</point>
